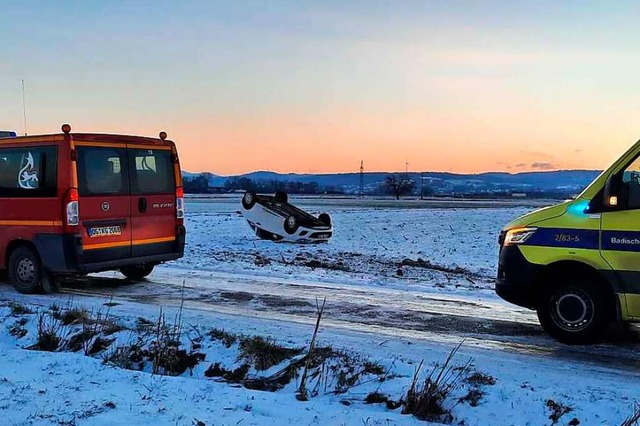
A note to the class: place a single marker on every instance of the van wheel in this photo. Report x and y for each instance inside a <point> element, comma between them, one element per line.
<point>576,312</point>
<point>136,272</point>
<point>50,283</point>
<point>249,200</point>
<point>25,270</point>
<point>290,225</point>
<point>281,197</point>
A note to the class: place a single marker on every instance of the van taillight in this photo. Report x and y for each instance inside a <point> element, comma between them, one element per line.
<point>179,203</point>
<point>73,213</point>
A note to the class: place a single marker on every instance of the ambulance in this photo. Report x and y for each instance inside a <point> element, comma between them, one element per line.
<point>578,263</point>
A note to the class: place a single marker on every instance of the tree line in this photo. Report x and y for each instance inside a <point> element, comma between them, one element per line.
<point>396,185</point>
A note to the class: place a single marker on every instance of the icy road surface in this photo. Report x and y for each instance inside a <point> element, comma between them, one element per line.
<point>421,273</point>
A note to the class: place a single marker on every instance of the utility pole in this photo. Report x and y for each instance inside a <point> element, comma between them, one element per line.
<point>361,178</point>
<point>422,185</point>
<point>24,109</point>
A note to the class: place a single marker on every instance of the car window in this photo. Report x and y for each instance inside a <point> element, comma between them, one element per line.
<point>101,171</point>
<point>29,171</point>
<point>151,171</point>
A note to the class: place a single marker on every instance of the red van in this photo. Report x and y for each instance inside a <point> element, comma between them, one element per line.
<point>75,203</point>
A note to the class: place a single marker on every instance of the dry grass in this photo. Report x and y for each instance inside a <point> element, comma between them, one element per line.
<point>18,329</point>
<point>558,410</point>
<point>49,337</point>
<point>228,339</point>
<point>264,353</point>
<point>19,309</point>
<point>481,379</point>
<point>74,316</point>
<point>634,418</point>
<point>426,398</point>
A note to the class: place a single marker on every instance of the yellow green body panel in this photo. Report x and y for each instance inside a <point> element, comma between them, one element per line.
<point>631,306</point>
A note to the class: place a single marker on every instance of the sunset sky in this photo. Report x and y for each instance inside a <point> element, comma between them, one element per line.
<point>309,87</point>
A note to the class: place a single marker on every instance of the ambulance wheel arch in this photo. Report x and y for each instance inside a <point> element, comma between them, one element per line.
<point>574,303</point>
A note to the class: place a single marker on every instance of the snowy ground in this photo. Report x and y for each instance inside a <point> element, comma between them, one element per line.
<point>402,285</point>
<point>368,247</point>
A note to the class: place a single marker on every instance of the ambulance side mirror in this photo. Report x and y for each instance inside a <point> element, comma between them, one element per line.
<point>611,195</point>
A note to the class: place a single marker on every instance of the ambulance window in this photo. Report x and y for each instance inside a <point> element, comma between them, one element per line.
<point>152,171</point>
<point>29,172</point>
<point>100,171</point>
<point>631,183</point>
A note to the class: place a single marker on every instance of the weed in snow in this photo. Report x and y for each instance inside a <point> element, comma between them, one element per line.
<point>634,418</point>
<point>426,399</point>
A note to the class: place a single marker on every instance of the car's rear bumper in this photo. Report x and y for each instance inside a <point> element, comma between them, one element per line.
<point>63,254</point>
<point>516,276</point>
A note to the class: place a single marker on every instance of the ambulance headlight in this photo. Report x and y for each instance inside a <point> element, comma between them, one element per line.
<point>518,235</point>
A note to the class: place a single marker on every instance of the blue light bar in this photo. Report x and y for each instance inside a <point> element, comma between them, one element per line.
<point>7,134</point>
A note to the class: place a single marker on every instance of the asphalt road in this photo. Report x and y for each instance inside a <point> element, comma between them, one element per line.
<point>479,319</point>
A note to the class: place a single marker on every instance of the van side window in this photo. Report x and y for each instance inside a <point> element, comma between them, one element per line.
<point>29,172</point>
<point>101,171</point>
<point>151,171</point>
<point>631,184</point>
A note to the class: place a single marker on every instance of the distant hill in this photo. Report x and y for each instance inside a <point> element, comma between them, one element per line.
<point>562,181</point>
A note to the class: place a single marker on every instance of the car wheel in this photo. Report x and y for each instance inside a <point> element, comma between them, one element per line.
<point>136,272</point>
<point>576,312</point>
<point>290,225</point>
<point>325,219</point>
<point>25,270</point>
<point>249,200</point>
<point>281,197</point>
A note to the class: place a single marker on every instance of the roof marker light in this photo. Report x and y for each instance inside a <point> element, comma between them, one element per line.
<point>66,128</point>
<point>163,135</point>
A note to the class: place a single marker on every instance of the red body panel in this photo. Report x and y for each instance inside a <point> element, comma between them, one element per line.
<point>24,218</point>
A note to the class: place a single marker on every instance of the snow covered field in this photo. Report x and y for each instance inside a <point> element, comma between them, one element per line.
<point>403,285</point>
<point>368,247</point>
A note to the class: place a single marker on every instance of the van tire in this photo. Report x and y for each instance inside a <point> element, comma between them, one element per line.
<point>25,270</point>
<point>576,312</point>
<point>50,283</point>
<point>136,272</point>
<point>249,200</point>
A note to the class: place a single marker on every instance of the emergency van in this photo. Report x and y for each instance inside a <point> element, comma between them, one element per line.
<point>75,203</point>
<point>578,263</point>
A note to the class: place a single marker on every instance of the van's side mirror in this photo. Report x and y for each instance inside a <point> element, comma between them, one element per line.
<point>612,195</point>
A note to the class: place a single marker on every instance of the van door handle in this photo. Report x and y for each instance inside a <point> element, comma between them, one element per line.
<point>142,204</point>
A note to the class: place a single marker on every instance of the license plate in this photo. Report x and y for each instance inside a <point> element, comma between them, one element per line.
<point>324,236</point>
<point>104,231</point>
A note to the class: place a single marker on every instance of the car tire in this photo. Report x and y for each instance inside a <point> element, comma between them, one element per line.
<point>25,270</point>
<point>281,197</point>
<point>577,311</point>
<point>325,219</point>
<point>249,200</point>
<point>136,272</point>
<point>291,225</point>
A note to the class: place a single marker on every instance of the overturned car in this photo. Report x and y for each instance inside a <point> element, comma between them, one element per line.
<point>273,218</point>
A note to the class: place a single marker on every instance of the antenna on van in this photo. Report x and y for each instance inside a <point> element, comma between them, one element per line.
<point>24,109</point>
